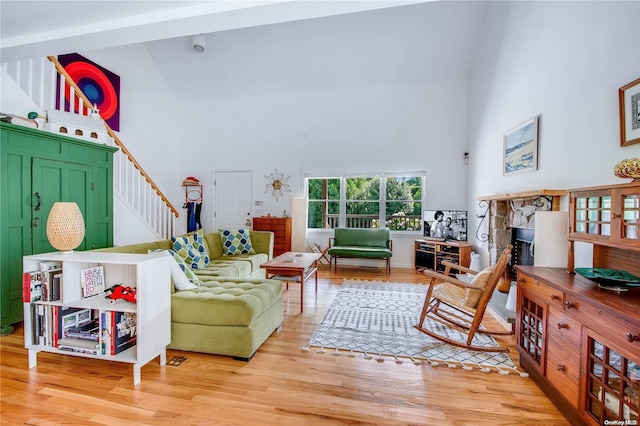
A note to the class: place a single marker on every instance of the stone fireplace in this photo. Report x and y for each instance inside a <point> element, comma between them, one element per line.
<point>511,219</point>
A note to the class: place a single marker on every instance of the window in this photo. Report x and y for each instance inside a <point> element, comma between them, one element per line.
<point>383,200</point>
<point>404,203</point>
<point>324,202</point>
<point>362,202</point>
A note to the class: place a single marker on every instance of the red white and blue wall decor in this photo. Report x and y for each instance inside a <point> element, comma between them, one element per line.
<point>99,85</point>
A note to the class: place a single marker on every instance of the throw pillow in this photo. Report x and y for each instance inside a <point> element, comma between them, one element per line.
<point>236,241</point>
<point>192,248</point>
<point>182,276</point>
<point>480,281</point>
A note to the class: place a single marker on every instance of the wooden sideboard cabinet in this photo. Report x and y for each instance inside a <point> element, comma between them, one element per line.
<point>430,254</point>
<point>579,342</point>
<point>281,228</point>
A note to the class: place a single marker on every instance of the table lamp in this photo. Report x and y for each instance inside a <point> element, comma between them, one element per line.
<point>65,226</point>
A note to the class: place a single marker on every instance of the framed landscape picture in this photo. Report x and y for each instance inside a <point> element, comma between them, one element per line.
<point>520,149</point>
<point>629,100</point>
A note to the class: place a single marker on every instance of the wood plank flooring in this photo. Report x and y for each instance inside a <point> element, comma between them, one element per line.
<point>281,385</point>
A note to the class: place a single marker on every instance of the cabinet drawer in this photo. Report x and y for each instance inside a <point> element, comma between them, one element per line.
<point>541,290</point>
<point>563,354</point>
<point>615,327</point>
<point>564,328</point>
<point>563,367</point>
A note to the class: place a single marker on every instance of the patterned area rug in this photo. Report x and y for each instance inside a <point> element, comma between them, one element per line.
<point>376,319</point>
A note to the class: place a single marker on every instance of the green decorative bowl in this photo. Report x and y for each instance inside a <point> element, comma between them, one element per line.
<point>612,279</point>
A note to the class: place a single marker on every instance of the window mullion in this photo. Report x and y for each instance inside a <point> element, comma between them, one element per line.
<point>342,221</point>
<point>382,210</point>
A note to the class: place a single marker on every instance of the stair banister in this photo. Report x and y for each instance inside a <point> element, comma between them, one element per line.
<point>111,133</point>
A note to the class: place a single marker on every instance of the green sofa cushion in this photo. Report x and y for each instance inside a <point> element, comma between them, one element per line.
<point>223,268</point>
<point>360,251</point>
<point>234,302</point>
<point>255,260</point>
<point>358,237</point>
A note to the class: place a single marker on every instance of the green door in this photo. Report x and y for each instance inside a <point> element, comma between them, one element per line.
<point>37,169</point>
<point>15,234</point>
<point>58,181</point>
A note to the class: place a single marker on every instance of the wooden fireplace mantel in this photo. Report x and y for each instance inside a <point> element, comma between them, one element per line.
<point>527,194</point>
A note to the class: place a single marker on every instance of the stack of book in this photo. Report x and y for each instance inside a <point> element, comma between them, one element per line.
<point>78,330</point>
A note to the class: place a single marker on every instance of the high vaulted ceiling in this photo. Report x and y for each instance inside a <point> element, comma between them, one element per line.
<point>258,46</point>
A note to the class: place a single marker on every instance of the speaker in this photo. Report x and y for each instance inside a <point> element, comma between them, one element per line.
<point>199,43</point>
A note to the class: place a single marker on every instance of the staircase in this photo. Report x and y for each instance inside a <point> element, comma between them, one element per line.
<point>131,184</point>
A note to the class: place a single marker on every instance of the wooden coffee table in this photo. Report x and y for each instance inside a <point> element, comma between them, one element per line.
<point>294,267</point>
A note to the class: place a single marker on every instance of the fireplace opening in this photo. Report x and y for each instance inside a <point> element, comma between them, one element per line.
<point>523,251</point>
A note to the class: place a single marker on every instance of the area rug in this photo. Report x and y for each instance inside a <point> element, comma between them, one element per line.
<point>376,319</point>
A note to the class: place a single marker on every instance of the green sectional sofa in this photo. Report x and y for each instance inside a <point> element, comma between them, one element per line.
<point>234,308</point>
<point>361,243</point>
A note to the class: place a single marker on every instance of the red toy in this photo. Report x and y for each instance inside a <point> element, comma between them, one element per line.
<point>119,291</point>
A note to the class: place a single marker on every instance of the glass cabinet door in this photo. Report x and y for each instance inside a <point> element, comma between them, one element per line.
<point>593,215</point>
<point>531,329</point>
<point>629,215</point>
<point>613,384</point>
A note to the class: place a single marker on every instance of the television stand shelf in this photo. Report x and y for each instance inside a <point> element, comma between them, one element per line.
<point>429,254</point>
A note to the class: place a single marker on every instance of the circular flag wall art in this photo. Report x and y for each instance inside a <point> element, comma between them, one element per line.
<point>99,85</point>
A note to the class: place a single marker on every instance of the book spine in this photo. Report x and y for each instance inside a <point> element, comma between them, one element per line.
<point>26,287</point>
<point>114,332</point>
<point>55,313</point>
<point>57,282</point>
<point>105,332</point>
<point>41,325</point>
<point>78,350</point>
<point>35,328</point>
<point>82,335</point>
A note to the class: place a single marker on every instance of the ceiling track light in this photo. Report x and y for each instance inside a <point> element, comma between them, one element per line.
<point>199,43</point>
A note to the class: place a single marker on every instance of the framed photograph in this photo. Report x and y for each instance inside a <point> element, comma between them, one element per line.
<point>629,101</point>
<point>520,149</point>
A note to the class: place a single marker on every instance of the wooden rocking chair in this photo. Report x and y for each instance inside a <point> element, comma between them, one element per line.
<point>461,305</point>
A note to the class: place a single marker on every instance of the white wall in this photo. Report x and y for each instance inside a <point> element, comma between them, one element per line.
<point>565,62</point>
<point>393,127</point>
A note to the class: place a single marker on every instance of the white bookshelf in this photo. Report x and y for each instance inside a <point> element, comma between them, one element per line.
<point>148,273</point>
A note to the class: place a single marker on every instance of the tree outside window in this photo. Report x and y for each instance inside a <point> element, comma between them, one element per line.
<point>393,200</point>
<point>324,203</point>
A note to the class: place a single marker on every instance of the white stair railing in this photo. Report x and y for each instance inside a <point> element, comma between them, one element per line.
<point>131,184</point>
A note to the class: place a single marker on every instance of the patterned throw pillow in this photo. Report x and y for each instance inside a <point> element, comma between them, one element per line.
<point>182,276</point>
<point>236,241</point>
<point>191,247</point>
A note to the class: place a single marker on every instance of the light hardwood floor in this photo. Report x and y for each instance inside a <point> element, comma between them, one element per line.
<point>281,385</point>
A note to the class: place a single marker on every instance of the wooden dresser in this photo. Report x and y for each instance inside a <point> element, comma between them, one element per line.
<point>581,343</point>
<point>281,228</point>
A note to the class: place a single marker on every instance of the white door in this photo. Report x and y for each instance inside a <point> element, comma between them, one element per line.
<point>233,198</point>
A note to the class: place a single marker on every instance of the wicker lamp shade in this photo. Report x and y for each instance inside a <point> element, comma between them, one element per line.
<point>65,226</point>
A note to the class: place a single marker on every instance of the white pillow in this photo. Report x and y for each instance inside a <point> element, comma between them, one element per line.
<point>178,276</point>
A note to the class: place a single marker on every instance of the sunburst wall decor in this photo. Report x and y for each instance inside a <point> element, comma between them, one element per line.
<point>277,184</point>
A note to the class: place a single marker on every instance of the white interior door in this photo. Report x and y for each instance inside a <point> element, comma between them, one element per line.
<point>233,199</point>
